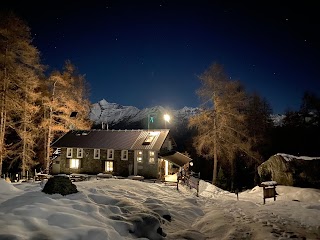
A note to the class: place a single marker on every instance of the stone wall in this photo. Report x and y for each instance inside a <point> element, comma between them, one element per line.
<point>123,168</point>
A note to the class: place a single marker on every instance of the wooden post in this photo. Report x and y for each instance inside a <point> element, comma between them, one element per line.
<point>178,184</point>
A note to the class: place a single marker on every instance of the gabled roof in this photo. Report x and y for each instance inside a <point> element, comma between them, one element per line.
<point>112,139</point>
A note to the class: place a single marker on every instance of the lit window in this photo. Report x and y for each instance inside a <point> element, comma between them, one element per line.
<point>110,154</point>
<point>139,157</point>
<point>108,166</point>
<point>96,153</point>
<point>79,152</point>
<point>150,137</point>
<point>69,152</point>
<point>124,154</point>
<point>74,163</point>
<point>151,157</point>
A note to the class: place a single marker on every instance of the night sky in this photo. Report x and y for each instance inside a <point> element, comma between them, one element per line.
<point>149,53</point>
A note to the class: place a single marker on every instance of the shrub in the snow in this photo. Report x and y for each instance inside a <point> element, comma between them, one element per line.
<point>61,185</point>
<point>222,181</point>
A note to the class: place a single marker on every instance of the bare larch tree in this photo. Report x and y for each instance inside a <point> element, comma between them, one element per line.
<point>221,127</point>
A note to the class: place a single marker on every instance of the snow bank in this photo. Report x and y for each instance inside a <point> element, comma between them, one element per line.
<point>6,187</point>
<point>208,190</point>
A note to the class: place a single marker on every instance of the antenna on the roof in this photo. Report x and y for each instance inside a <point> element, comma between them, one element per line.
<point>103,126</point>
<point>107,122</point>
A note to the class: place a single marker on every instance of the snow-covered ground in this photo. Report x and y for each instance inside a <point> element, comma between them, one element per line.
<point>129,209</point>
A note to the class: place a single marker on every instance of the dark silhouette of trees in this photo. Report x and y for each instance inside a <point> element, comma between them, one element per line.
<point>259,123</point>
<point>300,131</point>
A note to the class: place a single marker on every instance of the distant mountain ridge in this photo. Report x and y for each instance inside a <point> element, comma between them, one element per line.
<point>104,112</point>
<point>113,114</point>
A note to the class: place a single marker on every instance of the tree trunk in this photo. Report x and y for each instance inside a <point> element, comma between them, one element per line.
<point>49,137</point>
<point>3,113</point>
<point>2,133</point>
<point>24,149</point>
<point>232,166</point>
<point>215,157</point>
<point>48,147</point>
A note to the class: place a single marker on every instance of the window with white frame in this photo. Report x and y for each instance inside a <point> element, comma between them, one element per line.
<point>110,154</point>
<point>79,152</point>
<point>108,166</point>
<point>151,157</point>
<point>139,156</point>
<point>124,154</point>
<point>69,152</point>
<point>96,153</point>
<point>74,163</point>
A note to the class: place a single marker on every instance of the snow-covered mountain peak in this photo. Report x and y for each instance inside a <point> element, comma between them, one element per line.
<point>277,119</point>
<point>113,113</point>
<point>107,105</point>
<point>106,112</point>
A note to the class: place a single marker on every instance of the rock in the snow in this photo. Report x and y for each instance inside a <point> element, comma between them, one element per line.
<point>291,170</point>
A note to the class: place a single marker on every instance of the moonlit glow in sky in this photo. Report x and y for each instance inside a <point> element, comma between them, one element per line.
<point>148,53</point>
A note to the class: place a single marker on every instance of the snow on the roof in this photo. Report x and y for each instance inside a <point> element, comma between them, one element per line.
<point>289,157</point>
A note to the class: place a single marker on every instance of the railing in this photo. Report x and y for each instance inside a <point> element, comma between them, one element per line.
<point>191,179</point>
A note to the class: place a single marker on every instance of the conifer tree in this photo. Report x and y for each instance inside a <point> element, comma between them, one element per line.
<point>222,132</point>
<point>259,124</point>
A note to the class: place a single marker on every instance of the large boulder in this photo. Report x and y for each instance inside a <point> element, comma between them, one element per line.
<point>291,170</point>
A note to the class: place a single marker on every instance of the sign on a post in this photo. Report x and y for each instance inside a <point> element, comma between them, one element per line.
<point>269,190</point>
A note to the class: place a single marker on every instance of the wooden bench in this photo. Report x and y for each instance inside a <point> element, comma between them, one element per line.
<point>41,176</point>
<point>77,177</point>
<point>104,175</point>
